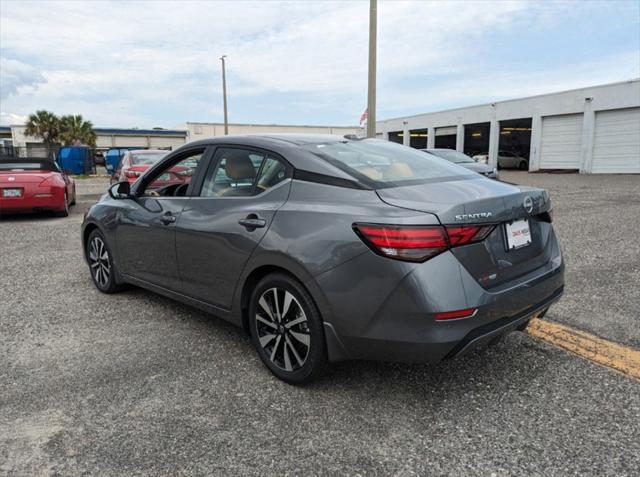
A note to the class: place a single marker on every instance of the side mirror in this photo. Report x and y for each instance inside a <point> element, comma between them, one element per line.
<point>121,190</point>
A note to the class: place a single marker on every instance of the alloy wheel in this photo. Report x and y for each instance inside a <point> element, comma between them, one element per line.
<point>282,329</point>
<point>99,261</point>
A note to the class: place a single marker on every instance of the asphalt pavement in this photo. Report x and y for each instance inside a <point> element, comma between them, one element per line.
<point>597,218</point>
<point>135,384</point>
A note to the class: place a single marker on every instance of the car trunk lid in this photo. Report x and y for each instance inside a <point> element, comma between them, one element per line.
<point>18,177</point>
<point>484,201</point>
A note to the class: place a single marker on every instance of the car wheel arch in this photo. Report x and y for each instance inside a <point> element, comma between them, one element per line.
<point>265,266</point>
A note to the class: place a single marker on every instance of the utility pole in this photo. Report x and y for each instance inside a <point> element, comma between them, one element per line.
<point>224,96</point>
<point>371,94</point>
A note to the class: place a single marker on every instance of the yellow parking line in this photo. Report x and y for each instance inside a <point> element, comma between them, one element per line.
<point>606,353</point>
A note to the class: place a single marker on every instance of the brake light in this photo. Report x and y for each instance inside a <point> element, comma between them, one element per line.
<point>413,243</point>
<point>418,243</point>
<point>461,235</point>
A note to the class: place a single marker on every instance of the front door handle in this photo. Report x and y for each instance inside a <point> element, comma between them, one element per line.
<point>252,222</point>
<point>168,218</point>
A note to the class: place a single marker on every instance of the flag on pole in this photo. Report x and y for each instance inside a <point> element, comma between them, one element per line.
<point>364,116</point>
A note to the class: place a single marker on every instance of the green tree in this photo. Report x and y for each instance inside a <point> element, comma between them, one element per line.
<point>74,130</point>
<point>45,125</point>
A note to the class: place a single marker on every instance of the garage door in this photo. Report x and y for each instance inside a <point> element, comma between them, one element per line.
<point>616,146</point>
<point>561,142</point>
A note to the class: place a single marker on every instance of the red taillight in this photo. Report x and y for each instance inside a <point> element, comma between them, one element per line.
<point>413,243</point>
<point>131,174</point>
<point>417,243</point>
<point>461,235</point>
<point>455,315</point>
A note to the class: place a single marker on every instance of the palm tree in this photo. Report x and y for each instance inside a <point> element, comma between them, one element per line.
<point>74,130</point>
<point>43,124</point>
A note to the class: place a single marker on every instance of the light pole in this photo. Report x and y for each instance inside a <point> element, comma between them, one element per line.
<point>371,94</point>
<point>224,96</point>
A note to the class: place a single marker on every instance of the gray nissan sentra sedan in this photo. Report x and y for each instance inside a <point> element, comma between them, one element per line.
<point>327,248</point>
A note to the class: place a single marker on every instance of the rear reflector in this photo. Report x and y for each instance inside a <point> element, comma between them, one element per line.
<point>454,315</point>
<point>417,243</point>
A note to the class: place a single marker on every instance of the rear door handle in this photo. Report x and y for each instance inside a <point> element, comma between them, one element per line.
<point>168,218</point>
<point>252,222</point>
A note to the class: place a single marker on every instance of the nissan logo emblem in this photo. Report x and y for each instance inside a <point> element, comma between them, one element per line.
<point>528,204</point>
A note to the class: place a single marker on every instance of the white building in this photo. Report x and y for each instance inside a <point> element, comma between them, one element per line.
<point>593,130</point>
<point>105,138</point>
<point>203,130</point>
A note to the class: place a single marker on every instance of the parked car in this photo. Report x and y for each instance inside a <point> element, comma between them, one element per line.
<point>113,156</point>
<point>326,248</point>
<point>506,160</point>
<point>35,185</point>
<point>465,161</point>
<point>134,163</point>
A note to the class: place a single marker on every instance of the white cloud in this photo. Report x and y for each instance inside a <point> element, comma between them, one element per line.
<point>11,118</point>
<point>129,63</point>
<point>16,75</point>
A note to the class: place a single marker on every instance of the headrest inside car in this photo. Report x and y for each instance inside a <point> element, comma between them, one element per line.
<point>239,166</point>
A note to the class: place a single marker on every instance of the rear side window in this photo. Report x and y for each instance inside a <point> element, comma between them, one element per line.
<point>380,164</point>
<point>242,173</point>
<point>272,173</point>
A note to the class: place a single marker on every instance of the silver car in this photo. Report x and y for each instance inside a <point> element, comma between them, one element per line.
<point>465,161</point>
<point>327,248</point>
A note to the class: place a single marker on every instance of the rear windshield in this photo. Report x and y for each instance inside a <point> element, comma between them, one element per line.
<point>28,166</point>
<point>381,164</point>
<point>452,156</point>
<point>146,158</point>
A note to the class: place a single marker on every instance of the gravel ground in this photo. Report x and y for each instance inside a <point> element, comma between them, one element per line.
<point>597,219</point>
<point>137,384</point>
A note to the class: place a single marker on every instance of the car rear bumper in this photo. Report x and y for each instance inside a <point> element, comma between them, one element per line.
<point>403,327</point>
<point>32,204</point>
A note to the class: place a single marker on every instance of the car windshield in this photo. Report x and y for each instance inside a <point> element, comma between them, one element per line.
<point>146,158</point>
<point>451,156</point>
<point>380,164</point>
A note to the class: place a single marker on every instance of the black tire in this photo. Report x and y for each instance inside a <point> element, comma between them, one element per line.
<point>291,319</point>
<point>523,166</point>
<point>73,200</point>
<point>65,212</point>
<point>104,273</point>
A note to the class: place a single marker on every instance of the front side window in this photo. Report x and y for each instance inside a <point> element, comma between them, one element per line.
<point>174,180</point>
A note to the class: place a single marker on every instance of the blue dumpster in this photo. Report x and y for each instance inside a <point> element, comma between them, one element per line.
<point>113,156</point>
<point>76,160</point>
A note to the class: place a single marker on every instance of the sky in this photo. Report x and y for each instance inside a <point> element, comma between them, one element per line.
<point>156,63</point>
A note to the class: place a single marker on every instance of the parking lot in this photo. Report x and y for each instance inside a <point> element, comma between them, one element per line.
<point>134,383</point>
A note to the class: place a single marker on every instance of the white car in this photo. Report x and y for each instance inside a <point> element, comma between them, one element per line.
<point>506,160</point>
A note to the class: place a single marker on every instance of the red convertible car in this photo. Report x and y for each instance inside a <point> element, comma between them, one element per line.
<point>35,185</point>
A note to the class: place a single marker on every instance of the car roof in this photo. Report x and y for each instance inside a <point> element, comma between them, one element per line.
<point>275,138</point>
<point>290,146</point>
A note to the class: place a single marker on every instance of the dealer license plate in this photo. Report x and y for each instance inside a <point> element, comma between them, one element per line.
<point>518,234</point>
<point>11,192</point>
